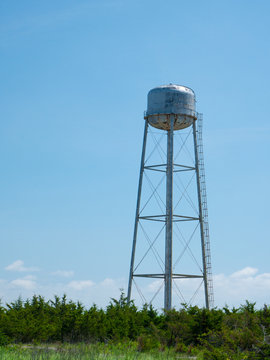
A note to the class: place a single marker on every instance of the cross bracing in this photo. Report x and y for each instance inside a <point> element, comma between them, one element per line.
<point>191,262</point>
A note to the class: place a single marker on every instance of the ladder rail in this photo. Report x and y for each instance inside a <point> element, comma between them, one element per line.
<point>205,211</point>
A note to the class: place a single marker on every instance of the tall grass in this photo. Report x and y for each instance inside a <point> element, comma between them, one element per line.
<point>85,352</point>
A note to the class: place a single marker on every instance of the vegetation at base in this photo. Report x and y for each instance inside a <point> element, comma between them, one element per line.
<point>126,351</point>
<point>237,333</point>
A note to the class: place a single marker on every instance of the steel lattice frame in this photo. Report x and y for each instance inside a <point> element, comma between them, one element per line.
<point>171,220</point>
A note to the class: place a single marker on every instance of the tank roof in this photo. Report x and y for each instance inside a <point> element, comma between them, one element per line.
<point>175,87</point>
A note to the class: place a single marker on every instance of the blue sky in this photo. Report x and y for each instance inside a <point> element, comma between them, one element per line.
<point>74,82</point>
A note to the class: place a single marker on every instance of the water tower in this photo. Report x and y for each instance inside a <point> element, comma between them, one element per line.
<point>171,247</point>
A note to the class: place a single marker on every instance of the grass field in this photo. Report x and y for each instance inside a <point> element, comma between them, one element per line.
<point>85,352</point>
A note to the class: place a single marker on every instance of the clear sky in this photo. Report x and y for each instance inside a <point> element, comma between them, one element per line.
<point>74,78</point>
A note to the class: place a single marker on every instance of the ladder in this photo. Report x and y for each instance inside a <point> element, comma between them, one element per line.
<point>204,212</point>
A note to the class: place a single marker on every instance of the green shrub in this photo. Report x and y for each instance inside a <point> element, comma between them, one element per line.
<point>147,342</point>
<point>4,339</point>
<point>221,334</point>
<point>215,354</point>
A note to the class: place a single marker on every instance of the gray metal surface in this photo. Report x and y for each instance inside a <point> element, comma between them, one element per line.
<point>171,99</point>
<point>169,219</point>
<point>137,212</point>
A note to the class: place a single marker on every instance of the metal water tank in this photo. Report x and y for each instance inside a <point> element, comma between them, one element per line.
<point>171,100</point>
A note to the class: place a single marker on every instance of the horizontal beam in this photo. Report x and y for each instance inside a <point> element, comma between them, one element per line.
<point>174,276</point>
<point>176,218</point>
<point>153,169</point>
<point>184,167</point>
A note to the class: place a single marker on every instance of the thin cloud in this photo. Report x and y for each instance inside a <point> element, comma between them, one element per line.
<point>245,284</point>
<point>63,273</point>
<point>81,284</point>
<point>18,265</point>
<point>108,282</point>
<point>26,283</point>
<point>246,272</point>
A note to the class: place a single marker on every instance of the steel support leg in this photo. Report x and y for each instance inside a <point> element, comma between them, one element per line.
<point>137,211</point>
<point>169,218</point>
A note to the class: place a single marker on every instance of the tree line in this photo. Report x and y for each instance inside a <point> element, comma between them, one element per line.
<point>243,330</point>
